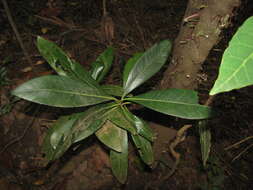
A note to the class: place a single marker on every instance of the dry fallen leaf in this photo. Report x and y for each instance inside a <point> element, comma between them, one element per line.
<point>26,69</point>
<point>39,62</point>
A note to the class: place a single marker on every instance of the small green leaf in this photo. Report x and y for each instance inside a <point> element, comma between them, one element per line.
<point>91,121</point>
<point>142,127</point>
<point>58,140</point>
<point>118,118</point>
<point>129,65</point>
<point>175,102</point>
<point>88,130</point>
<point>112,136</point>
<point>205,140</point>
<point>119,161</point>
<point>62,127</point>
<point>236,70</point>
<point>62,64</point>
<point>102,65</point>
<point>113,90</point>
<point>144,148</point>
<point>147,65</point>
<point>73,128</point>
<point>60,91</point>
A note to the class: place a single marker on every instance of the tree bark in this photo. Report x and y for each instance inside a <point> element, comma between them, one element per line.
<point>200,31</point>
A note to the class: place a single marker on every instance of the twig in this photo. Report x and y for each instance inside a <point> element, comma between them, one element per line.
<point>180,137</point>
<point>238,143</point>
<point>209,101</point>
<point>247,148</point>
<point>104,8</point>
<point>59,22</point>
<point>14,28</point>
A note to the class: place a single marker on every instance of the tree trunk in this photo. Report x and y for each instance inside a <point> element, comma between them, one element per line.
<point>200,31</point>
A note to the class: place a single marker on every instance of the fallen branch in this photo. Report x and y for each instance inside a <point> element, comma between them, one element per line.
<point>14,28</point>
<point>180,137</point>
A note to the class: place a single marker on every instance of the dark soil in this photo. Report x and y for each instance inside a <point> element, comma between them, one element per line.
<point>77,26</point>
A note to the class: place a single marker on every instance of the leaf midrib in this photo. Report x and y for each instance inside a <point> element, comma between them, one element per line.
<point>162,101</point>
<point>235,72</point>
<point>73,93</point>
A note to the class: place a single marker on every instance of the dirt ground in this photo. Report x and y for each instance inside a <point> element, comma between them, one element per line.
<point>83,30</point>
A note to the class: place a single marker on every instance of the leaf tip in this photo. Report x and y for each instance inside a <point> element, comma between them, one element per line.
<point>121,180</point>
<point>39,39</point>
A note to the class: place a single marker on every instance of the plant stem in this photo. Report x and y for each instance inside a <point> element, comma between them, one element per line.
<point>209,100</point>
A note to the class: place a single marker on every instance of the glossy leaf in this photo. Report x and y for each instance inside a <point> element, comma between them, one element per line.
<point>141,126</point>
<point>91,121</point>
<point>73,128</point>
<point>60,91</point>
<point>129,65</point>
<point>144,148</point>
<point>113,90</point>
<point>205,140</point>
<point>236,69</point>
<point>62,127</point>
<point>88,129</point>
<point>102,65</point>
<point>175,102</point>
<point>112,136</point>
<point>147,65</point>
<point>58,138</point>
<point>62,64</point>
<point>118,117</point>
<point>119,161</point>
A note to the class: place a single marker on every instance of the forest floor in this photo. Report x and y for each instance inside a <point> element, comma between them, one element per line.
<point>79,28</point>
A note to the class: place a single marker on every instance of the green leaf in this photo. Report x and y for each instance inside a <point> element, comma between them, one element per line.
<point>236,70</point>
<point>129,65</point>
<point>62,64</point>
<point>144,148</point>
<point>142,127</point>
<point>60,91</point>
<point>205,140</point>
<point>73,128</point>
<point>119,161</point>
<point>62,127</point>
<point>58,140</point>
<point>113,90</point>
<point>175,102</point>
<point>102,65</point>
<point>112,136</point>
<point>88,129</point>
<point>147,65</point>
<point>91,121</point>
<point>118,117</point>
